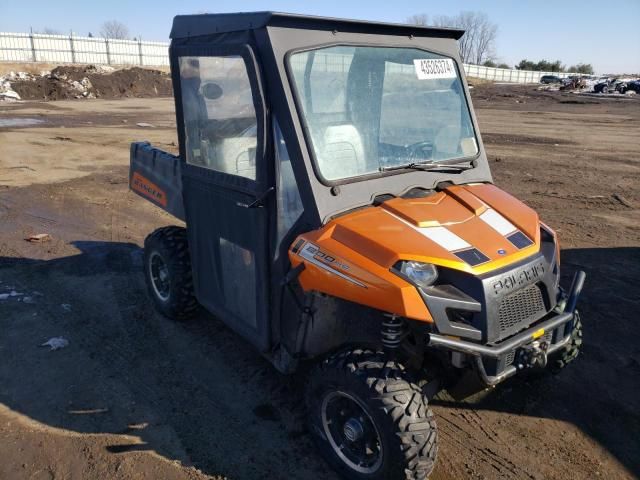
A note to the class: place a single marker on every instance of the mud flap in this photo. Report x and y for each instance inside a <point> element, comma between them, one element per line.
<point>157,176</point>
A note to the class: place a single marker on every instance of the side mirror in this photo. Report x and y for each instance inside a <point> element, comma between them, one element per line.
<point>211,91</point>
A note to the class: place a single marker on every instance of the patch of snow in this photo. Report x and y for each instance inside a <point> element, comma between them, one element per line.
<point>105,69</point>
<point>9,95</point>
<point>77,86</point>
<point>19,122</point>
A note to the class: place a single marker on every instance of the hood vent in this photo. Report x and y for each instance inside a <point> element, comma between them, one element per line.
<point>472,256</point>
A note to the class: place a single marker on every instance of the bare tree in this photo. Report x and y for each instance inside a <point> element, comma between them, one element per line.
<point>477,45</point>
<point>48,31</point>
<point>114,29</point>
<point>485,38</point>
<point>418,19</point>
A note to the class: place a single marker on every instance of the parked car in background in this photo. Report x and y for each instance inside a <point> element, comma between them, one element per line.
<point>635,86</point>
<point>574,82</point>
<point>632,86</point>
<point>602,87</point>
<point>620,85</point>
<point>550,79</point>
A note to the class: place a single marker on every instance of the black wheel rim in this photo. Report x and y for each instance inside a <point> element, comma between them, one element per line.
<point>351,432</point>
<point>159,273</point>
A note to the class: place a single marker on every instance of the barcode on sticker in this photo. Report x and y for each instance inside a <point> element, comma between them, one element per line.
<point>435,68</point>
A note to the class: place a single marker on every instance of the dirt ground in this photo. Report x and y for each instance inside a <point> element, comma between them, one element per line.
<point>134,395</point>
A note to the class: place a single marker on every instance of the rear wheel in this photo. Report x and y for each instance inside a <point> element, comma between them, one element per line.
<point>167,268</point>
<point>369,420</point>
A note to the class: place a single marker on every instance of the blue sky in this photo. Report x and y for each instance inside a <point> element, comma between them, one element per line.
<point>607,35</point>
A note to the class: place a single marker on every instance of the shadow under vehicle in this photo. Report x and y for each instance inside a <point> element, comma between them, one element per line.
<point>340,211</point>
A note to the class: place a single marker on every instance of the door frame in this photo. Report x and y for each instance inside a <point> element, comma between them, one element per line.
<point>225,184</point>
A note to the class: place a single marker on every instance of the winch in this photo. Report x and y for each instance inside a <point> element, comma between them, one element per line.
<point>533,355</point>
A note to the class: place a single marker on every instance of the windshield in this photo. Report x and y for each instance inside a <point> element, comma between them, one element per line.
<point>369,109</point>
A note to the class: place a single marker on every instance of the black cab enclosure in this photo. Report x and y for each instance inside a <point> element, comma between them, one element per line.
<point>245,175</point>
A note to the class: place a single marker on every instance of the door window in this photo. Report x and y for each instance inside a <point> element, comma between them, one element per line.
<point>289,201</point>
<point>220,119</point>
<point>239,280</point>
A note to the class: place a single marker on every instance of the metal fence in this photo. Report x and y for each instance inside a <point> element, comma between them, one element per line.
<point>509,75</point>
<point>34,47</point>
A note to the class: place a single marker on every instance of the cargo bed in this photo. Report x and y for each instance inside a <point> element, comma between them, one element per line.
<point>157,176</point>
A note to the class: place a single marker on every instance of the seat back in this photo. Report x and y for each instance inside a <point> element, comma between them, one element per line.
<point>342,152</point>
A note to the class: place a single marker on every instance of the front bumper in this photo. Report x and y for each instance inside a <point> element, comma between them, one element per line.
<point>555,329</point>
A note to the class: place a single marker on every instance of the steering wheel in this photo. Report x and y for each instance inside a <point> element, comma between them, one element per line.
<point>420,150</point>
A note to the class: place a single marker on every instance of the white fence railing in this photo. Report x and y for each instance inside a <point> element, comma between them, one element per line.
<point>27,47</point>
<point>509,75</point>
<point>34,47</point>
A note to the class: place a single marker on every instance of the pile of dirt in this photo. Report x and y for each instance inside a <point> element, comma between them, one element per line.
<point>531,98</point>
<point>68,82</point>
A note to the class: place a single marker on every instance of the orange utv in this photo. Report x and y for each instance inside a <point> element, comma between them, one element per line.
<point>340,210</point>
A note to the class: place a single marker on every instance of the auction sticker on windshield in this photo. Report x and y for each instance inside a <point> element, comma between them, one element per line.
<point>427,69</point>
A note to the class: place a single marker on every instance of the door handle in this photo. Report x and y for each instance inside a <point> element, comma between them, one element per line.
<point>258,202</point>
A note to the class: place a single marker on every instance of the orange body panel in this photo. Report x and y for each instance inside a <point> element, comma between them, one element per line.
<point>351,257</point>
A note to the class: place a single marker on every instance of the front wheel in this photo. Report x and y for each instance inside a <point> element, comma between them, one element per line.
<point>569,353</point>
<point>369,420</point>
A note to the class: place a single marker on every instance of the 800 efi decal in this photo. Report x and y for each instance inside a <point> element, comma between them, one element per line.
<point>326,261</point>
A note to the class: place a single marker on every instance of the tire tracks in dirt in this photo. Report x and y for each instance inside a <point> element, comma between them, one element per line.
<point>467,434</point>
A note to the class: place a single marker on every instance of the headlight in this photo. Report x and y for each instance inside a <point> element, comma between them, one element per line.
<point>422,274</point>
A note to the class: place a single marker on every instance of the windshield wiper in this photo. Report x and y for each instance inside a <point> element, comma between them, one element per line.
<point>430,167</point>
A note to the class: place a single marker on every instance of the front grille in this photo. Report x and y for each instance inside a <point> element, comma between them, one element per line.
<point>521,308</point>
<point>508,360</point>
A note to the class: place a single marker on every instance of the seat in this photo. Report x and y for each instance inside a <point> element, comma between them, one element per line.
<point>342,152</point>
<point>447,142</point>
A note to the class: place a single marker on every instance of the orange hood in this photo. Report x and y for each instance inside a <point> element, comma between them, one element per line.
<point>475,228</point>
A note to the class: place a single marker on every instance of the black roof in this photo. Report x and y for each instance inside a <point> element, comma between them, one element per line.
<point>206,24</point>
